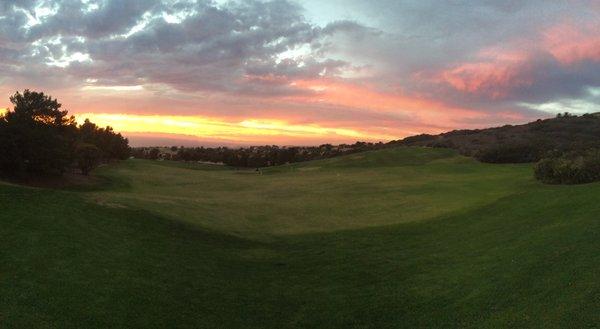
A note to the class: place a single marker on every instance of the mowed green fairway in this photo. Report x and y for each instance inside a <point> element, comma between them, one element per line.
<point>398,238</point>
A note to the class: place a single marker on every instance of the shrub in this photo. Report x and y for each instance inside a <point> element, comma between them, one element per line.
<point>88,157</point>
<point>509,153</point>
<point>572,168</point>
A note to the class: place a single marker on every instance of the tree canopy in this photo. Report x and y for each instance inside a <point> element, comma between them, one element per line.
<point>38,137</point>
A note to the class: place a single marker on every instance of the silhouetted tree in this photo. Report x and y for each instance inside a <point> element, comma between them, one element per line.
<point>154,153</point>
<point>257,156</point>
<point>88,157</point>
<point>110,144</point>
<point>37,135</point>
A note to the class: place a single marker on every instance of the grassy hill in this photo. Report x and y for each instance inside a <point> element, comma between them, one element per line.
<point>521,143</point>
<point>397,238</point>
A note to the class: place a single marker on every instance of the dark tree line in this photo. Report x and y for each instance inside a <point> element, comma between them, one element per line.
<point>37,137</point>
<point>255,156</point>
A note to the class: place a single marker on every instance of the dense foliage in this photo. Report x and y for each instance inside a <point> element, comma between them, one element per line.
<point>570,168</point>
<point>510,153</point>
<point>111,145</point>
<point>255,156</point>
<point>38,137</point>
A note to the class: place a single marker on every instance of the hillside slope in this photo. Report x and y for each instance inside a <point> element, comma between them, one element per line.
<point>520,143</point>
<point>398,238</point>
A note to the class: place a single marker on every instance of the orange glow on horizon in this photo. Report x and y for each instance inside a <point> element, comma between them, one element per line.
<point>203,127</point>
<point>373,115</point>
<point>407,115</point>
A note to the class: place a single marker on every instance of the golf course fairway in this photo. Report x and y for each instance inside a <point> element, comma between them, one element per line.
<point>396,238</point>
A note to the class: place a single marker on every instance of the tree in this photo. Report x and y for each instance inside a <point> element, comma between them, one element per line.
<point>111,145</point>
<point>88,157</point>
<point>37,107</point>
<point>10,155</point>
<point>154,153</point>
<point>37,136</point>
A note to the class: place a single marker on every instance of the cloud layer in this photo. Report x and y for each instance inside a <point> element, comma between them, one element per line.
<point>387,68</point>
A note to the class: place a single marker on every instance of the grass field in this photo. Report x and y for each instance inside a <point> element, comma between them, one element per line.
<point>398,238</point>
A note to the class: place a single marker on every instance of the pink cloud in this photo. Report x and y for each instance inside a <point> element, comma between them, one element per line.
<point>493,73</point>
<point>496,71</point>
<point>569,43</point>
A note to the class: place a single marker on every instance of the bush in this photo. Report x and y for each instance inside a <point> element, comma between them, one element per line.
<point>572,168</point>
<point>88,157</point>
<point>509,153</point>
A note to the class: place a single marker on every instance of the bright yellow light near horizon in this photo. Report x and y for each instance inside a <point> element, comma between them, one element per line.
<point>299,129</point>
<point>214,128</point>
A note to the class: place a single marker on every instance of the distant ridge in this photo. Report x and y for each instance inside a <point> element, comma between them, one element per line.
<point>519,143</point>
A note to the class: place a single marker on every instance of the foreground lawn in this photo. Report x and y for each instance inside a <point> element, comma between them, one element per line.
<point>399,238</point>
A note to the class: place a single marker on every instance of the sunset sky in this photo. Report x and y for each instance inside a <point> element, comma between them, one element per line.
<point>172,72</point>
